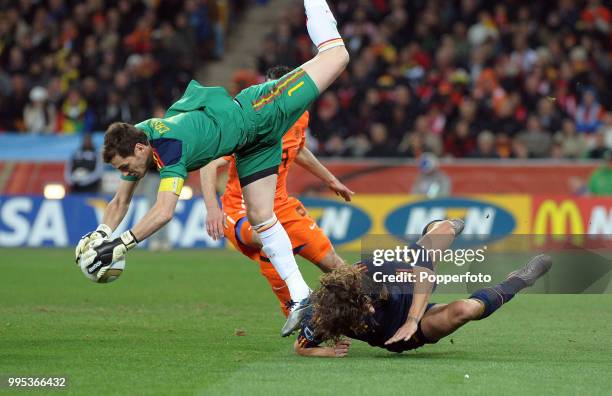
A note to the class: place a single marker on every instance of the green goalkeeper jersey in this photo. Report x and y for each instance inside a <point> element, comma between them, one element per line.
<point>207,123</point>
<point>203,125</point>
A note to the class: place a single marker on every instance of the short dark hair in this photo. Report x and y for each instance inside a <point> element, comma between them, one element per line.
<point>276,72</point>
<point>120,139</point>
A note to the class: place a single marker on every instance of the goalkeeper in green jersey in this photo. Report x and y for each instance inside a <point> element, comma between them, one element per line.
<point>205,124</point>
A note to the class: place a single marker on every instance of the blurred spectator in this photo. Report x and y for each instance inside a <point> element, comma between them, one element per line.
<point>117,109</point>
<point>523,58</point>
<point>412,145</point>
<point>507,122</point>
<point>572,144</point>
<point>596,17</point>
<point>548,116</point>
<point>417,140</point>
<point>74,116</point>
<point>460,143</point>
<point>39,114</point>
<point>16,103</point>
<point>537,141</point>
<point>327,119</point>
<point>556,151</point>
<point>83,172</point>
<point>357,146</point>
<point>381,145</point>
<point>483,30</point>
<point>600,182</point>
<point>485,146</point>
<point>503,145</point>
<point>599,149</point>
<point>334,147</point>
<point>606,128</point>
<point>589,113</point>
<point>519,149</point>
<point>431,181</point>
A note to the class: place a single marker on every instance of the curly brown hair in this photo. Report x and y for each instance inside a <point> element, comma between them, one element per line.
<point>343,303</point>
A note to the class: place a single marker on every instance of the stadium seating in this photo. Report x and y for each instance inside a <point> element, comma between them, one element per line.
<point>69,67</point>
<point>462,79</point>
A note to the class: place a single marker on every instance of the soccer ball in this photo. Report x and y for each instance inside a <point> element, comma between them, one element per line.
<point>106,275</point>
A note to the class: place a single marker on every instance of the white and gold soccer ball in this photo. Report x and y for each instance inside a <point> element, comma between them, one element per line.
<point>105,275</point>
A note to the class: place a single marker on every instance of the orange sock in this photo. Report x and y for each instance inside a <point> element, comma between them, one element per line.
<point>279,287</point>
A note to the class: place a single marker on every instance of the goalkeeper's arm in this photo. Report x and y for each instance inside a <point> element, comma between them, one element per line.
<point>103,253</point>
<point>118,206</point>
<point>114,213</point>
<point>160,214</point>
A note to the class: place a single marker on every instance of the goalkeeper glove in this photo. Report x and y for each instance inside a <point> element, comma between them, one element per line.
<point>102,253</point>
<point>102,232</point>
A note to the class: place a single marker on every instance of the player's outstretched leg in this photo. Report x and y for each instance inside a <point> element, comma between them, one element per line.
<point>440,234</point>
<point>442,320</point>
<point>259,199</point>
<point>333,57</point>
<point>454,225</point>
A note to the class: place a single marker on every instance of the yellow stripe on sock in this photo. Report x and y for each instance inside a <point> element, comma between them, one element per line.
<point>266,227</point>
<point>330,43</point>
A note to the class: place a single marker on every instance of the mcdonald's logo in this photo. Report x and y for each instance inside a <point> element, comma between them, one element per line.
<point>564,218</point>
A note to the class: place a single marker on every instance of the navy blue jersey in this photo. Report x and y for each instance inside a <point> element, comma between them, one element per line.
<point>390,312</point>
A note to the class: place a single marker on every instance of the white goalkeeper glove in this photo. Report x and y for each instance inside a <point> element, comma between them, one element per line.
<point>102,232</point>
<point>102,253</point>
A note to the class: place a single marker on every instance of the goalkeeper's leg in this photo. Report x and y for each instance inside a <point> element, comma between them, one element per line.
<point>332,57</point>
<point>259,198</point>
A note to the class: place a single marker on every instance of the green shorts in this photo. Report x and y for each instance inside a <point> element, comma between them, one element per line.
<point>271,109</point>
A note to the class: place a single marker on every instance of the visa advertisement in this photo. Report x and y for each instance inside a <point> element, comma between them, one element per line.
<point>28,221</point>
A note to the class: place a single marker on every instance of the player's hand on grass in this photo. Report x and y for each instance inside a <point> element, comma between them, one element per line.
<point>405,332</point>
<point>340,189</point>
<point>102,253</point>
<point>215,222</point>
<point>103,232</point>
<point>341,348</point>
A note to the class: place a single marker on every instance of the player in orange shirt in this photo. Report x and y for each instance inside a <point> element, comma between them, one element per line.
<point>307,239</point>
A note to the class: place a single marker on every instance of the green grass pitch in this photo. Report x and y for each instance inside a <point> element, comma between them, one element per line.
<point>168,327</point>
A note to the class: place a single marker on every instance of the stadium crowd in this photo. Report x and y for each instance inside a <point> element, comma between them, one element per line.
<point>69,66</point>
<point>463,78</point>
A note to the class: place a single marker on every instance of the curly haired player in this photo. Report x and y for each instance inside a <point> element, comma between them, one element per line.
<point>398,316</point>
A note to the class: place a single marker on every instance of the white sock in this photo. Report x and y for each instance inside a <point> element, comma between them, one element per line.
<point>322,26</point>
<point>296,283</point>
<point>277,246</point>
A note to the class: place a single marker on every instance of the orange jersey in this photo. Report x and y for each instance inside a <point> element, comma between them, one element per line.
<point>293,141</point>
